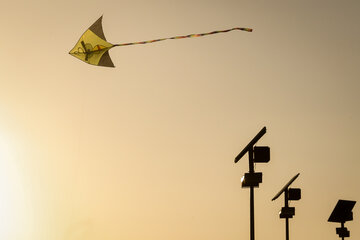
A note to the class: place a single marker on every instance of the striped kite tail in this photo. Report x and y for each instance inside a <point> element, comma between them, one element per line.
<point>186,36</point>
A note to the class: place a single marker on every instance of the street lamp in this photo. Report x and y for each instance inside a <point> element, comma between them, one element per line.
<point>253,179</point>
<point>341,214</point>
<point>289,194</point>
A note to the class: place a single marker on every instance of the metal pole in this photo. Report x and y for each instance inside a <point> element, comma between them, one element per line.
<point>252,210</point>
<point>342,226</point>
<point>252,218</point>
<point>287,219</point>
<point>287,228</point>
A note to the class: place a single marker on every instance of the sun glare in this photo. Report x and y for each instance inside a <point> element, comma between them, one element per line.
<point>13,215</point>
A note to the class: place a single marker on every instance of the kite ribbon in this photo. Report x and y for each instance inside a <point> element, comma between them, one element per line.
<point>186,36</point>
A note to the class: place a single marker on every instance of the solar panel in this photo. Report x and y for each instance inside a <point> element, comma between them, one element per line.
<point>285,187</point>
<point>251,144</point>
<point>342,211</point>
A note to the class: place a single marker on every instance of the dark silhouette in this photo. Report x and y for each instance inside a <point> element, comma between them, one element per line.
<point>341,214</point>
<point>289,194</point>
<point>253,179</point>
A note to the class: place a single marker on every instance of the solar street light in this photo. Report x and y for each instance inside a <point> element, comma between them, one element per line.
<point>253,179</point>
<point>341,214</point>
<point>289,194</point>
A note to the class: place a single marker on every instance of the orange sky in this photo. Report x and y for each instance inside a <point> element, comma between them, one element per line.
<point>145,151</point>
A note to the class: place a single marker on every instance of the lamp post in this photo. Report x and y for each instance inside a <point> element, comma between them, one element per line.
<point>253,179</point>
<point>341,214</point>
<point>289,194</point>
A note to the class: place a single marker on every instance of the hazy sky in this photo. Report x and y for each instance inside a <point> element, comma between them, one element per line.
<point>145,151</point>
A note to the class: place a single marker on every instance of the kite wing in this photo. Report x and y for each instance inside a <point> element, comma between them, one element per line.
<point>92,46</point>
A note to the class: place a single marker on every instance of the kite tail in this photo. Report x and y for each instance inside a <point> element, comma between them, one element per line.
<point>185,36</point>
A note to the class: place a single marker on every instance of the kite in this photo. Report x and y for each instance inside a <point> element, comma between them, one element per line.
<point>93,47</point>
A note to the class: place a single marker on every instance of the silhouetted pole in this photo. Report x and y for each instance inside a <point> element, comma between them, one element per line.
<point>252,215</point>
<point>287,228</point>
<point>289,194</point>
<point>252,210</point>
<point>257,154</point>
<point>341,214</point>
<point>342,226</point>
<point>286,219</point>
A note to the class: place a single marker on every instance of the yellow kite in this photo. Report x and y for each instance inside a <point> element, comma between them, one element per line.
<point>93,48</point>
